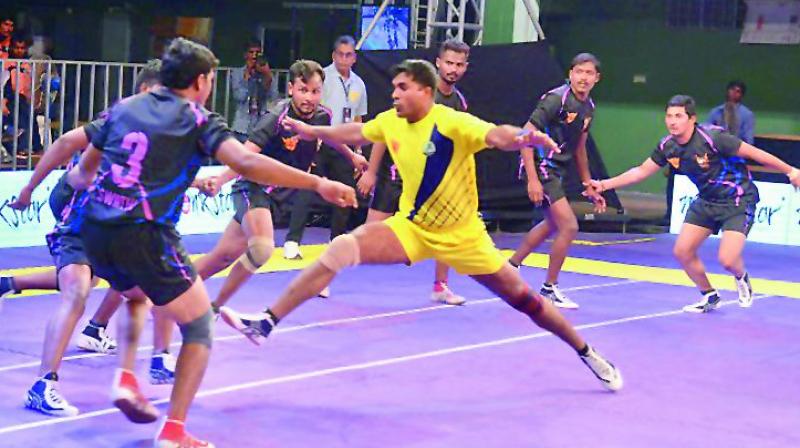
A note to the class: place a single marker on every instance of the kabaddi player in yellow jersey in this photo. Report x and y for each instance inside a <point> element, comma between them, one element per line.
<point>433,147</point>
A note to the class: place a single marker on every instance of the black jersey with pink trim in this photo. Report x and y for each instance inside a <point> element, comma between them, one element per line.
<point>710,160</point>
<point>280,144</point>
<point>153,144</point>
<point>562,116</point>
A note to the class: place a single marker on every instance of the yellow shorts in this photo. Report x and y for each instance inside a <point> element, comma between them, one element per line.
<point>468,249</point>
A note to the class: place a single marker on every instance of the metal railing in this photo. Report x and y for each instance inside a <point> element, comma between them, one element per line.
<point>43,99</point>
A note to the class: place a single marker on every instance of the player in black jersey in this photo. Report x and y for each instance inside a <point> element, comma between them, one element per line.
<point>382,178</point>
<point>565,114</point>
<point>715,163</point>
<point>73,274</point>
<point>248,241</point>
<point>139,166</point>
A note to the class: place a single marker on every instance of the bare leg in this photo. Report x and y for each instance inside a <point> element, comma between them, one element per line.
<point>107,308</point>
<point>38,280</point>
<point>730,252</point>
<point>685,251</point>
<point>75,282</point>
<point>510,287</point>
<point>560,217</point>
<point>130,327</point>
<point>163,327</point>
<point>377,245</point>
<point>532,240</point>
<point>441,272</point>
<point>256,223</point>
<point>230,246</point>
<point>376,215</point>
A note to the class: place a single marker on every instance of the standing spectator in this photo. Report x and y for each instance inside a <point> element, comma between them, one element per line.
<point>6,30</point>
<point>253,88</point>
<point>20,79</point>
<point>733,116</point>
<point>345,94</point>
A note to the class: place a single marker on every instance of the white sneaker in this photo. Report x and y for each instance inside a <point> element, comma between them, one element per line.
<point>557,298</point>
<point>710,301</point>
<point>447,296</point>
<point>325,293</point>
<point>291,251</point>
<point>96,339</point>
<point>44,397</point>
<point>609,376</point>
<point>745,291</point>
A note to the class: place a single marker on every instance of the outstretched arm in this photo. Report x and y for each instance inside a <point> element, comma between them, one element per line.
<point>82,174</point>
<point>749,151</point>
<point>632,176</point>
<point>512,138</point>
<point>347,134</point>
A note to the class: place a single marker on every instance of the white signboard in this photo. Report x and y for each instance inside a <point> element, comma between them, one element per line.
<point>777,218</point>
<point>201,214</point>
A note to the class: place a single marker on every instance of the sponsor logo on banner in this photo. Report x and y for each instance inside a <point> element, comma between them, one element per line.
<point>22,228</point>
<point>777,215</point>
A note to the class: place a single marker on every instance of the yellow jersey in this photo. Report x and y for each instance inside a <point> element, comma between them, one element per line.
<point>435,158</point>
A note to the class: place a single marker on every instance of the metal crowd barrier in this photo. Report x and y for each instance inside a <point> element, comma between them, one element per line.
<point>63,95</point>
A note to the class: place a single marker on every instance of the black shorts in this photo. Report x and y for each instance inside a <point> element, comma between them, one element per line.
<point>550,177</point>
<point>386,197</point>
<point>146,255</point>
<point>66,248</point>
<point>249,198</point>
<point>722,216</point>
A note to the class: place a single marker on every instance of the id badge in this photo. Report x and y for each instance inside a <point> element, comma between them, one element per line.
<point>347,115</point>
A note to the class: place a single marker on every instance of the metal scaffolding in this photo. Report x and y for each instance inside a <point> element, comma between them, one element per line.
<point>434,21</point>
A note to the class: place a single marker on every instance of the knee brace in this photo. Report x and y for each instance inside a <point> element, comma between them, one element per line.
<point>529,303</point>
<point>343,252</point>
<point>199,331</point>
<point>259,249</point>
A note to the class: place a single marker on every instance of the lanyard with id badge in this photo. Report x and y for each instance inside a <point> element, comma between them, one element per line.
<point>347,111</point>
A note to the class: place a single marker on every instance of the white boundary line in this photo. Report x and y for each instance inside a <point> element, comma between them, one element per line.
<point>355,367</point>
<point>326,323</point>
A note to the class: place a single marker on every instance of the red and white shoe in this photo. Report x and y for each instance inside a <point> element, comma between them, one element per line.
<point>442,294</point>
<point>128,398</point>
<point>173,435</point>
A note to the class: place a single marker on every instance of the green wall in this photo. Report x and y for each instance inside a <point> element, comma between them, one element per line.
<point>498,22</point>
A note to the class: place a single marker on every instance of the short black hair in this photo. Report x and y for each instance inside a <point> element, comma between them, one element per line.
<point>582,58</point>
<point>252,43</point>
<point>149,75</point>
<point>305,69</point>
<point>184,61</point>
<point>20,37</point>
<point>737,83</point>
<point>684,101</point>
<point>344,40</point>
<point>420,71</point>
<point>454,45</point>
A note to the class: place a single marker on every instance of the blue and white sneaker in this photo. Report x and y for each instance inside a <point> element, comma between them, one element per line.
<point>745,290</point>
<point>96,339</point>
<point>44,397</point>
<point>254,326</point>
<point>162,369</point>
<point>556,297</point>
<point>709,302</point>
<point>7,288</point>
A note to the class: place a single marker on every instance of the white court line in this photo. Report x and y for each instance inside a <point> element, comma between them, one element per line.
<point>356,367</point>
<point>326,323</point>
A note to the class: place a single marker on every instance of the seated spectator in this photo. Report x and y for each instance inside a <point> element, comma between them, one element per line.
<point>6,30</point>
<point>19,78</point>
<point>733,116</point>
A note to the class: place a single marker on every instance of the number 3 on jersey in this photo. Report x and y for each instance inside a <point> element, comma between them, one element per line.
<point>136,144</point>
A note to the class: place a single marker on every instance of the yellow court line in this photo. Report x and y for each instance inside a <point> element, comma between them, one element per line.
<point>652,274</point>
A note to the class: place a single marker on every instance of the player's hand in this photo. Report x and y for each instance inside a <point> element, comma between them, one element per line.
<point>596,185</point>
<point>359,162</point>
<point>337,193</point>
<point>366,183</point>
<point>210,186</point>
<point>529,138</point>
<point>594,195</point>
<point>23,200</point>
<point>535,192</point>
<point>794,178</point>
<point>304,131</point>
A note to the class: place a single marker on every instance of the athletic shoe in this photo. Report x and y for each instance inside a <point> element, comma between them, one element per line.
<point>128,398</point>
<point>254,326</point>
<point>710,301</point>
<point>291,251</point>
<point>162,369</point>
<point>44,397</point>
<point>173,435</point>
<point>325,293</point>
<point>446,296</point>
<point>96,339</point>
<point>609,376</point>
<point>7,287</point>
<point>745,291</point>
<point>557,298</point>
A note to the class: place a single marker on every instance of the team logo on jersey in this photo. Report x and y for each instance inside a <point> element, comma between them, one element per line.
<point>429,149</point>
<point>395,146</point>
<point>702,161</point>
<point>675,162</point>
<point>290,143</point>
<point>571,116</point>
